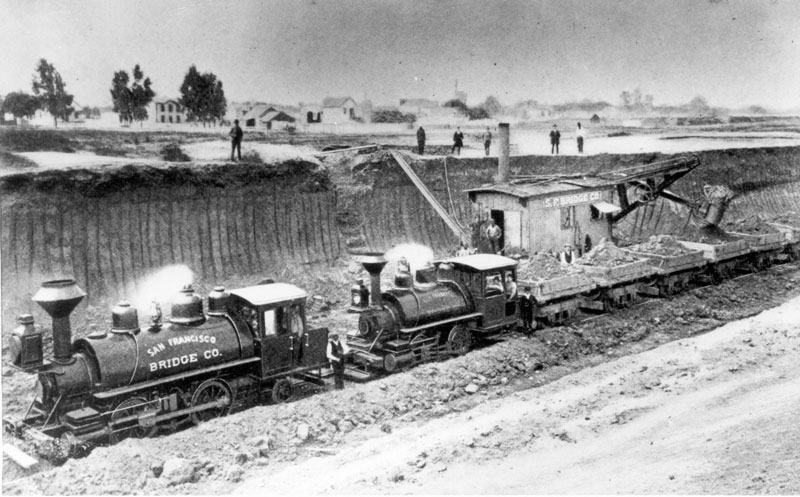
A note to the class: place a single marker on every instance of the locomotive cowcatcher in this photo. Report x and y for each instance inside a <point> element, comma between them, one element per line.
<point>253,343</point>
<point>419,321</point>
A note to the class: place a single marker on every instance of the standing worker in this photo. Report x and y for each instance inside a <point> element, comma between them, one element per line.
<point>493,233</point>
<point>236,135</point>
<point>526,309</point>
<point>421,141</point>
<point>555,138</point>
<point>579,135</point>
<point>336,352</point>
<point>487,140</point>
<point>458,140</point>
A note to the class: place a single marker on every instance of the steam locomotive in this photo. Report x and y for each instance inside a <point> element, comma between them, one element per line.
<point>252,343</point>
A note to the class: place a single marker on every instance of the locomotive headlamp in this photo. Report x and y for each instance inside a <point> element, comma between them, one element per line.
<point>25,344</point>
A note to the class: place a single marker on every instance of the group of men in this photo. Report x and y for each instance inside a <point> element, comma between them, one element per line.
<point>458,141</point>
<point>555,138</point>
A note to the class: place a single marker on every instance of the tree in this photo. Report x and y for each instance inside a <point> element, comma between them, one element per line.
<point>492,105</point>
<point>699,106</point>
<point>202,96</point>
<point>131,102</point>
<point>51,90</point>
<point>121,96</point>
<point>392,116</point>
<point>457,103</point>
<point>476,113</point>
<point>21,104</point>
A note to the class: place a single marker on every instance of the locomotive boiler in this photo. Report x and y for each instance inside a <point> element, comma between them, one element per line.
<point>130,380</point>
<point>419,321</point>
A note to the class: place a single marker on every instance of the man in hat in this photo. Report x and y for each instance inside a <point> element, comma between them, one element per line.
<point>555,139</point>
<point>526,309</point>
<point>336,352</point>
<point>236,135</point>
<point>567,256</point>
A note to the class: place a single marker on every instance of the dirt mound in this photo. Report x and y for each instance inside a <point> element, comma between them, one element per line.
<point>661,245</point>
<point>713,235</point>
<point>541,267</point>
<point>751,225</point>
<point>606,254</point>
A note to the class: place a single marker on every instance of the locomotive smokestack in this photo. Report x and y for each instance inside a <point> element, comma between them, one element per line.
<point>373,262</point>
<point>504,162</point>
<point>58,298</point>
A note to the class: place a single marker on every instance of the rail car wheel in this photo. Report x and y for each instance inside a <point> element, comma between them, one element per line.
<point>458,340</point>
<point>131,428</point>
<point>282,391</point>
<point>211,391</point>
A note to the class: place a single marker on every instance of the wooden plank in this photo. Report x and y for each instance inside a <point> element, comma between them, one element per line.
<point>451,223</point>
<point>22,459</point>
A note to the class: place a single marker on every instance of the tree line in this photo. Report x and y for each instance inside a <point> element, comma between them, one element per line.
<point>202,96</point>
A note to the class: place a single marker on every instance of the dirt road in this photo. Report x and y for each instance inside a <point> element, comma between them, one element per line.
<point>701,415</point>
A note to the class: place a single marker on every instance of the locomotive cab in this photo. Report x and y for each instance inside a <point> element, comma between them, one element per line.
<point>491,280</point>
<point>276,314</point>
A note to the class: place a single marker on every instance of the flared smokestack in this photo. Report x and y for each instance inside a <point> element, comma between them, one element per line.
<point>373,262</point>
<point>58,298</point>
<point>503,162</point>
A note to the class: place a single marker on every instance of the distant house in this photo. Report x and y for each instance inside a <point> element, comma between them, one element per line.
<point>266,116</point>
<point>595,119</point>
<point>168,111</point>
<point>310,113</point>
<point>337,110</point>
<point>421,107</point>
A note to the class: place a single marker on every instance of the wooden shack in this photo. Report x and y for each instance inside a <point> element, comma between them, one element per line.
<point>546,214</point>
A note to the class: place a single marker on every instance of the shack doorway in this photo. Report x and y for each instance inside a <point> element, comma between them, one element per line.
<point>499,219</point>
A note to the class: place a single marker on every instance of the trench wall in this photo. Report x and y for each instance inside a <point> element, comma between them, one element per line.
<point>234,226</point>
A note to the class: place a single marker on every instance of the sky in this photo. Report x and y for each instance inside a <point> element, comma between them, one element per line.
<point>735,53</point>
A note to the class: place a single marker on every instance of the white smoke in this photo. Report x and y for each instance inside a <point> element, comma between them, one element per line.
<point>418,256</point>
<point>160,286</point>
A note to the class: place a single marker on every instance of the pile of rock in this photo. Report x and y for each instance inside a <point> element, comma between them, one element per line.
<point>751,225</point>
<point>606,254</point>
<point>660,244</point>
<point>541,267</point>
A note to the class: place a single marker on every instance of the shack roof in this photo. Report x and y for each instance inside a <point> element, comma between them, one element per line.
<point>483,262</point>
<point>270,293</point>
<point>336,101</point>
<point>541,187</point>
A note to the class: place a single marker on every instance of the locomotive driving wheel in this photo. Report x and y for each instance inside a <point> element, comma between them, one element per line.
<point>282,391</point>
<point>458,340</point>
<point>211,391</point>
<point>129,408</point>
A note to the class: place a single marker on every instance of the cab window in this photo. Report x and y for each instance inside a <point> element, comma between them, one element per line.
<point>270,328</point>
<point>494,284</point>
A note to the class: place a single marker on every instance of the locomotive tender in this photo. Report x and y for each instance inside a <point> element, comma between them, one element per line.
<point>129,381</point>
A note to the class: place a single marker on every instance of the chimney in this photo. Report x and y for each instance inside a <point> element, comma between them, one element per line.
<point>373,262</point>
<point>58,298</point>
<point>503,162</point>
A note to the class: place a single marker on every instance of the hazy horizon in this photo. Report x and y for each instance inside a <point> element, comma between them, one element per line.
<point>733,53</point>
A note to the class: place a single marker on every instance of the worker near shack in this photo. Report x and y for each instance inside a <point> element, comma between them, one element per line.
<point>526,309</point>
<point>236,135</point>
<point>567,256</point>
<point>421,141</point>
<point>458,141</point>
<point>336,353</point>
<point>493,234</point>
<point>579,134</point>
<point>487,140</point>
<point>555,139</point>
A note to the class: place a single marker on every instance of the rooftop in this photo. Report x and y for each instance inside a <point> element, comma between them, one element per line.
<point>270,294</point>
<point>482,262</point>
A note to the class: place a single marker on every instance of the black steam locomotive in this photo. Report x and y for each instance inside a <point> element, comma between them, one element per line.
<point>130,381</point>
<point>415,322</point>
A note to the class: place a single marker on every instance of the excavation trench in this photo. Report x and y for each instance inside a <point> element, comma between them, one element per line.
<point>296,220</point>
